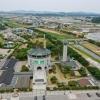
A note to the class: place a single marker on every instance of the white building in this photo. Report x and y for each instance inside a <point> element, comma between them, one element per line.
<point>93,36</point>
<point>38,62</point>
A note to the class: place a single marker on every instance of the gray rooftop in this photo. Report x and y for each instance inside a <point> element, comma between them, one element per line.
<point>69,63</point>
<point>65,41</point>
<point>23,82</point>
<point>39,51</point>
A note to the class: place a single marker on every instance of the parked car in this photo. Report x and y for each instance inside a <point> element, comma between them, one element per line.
<point>44,97</point>
<point>35,98</point>
<point>98,94</point>
<point>88,95</point>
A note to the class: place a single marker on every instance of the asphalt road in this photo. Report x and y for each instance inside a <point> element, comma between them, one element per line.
<point>87,51</point>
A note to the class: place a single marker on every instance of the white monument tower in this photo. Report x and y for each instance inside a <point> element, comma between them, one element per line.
<point>65,45</point>
<point>44,36</point>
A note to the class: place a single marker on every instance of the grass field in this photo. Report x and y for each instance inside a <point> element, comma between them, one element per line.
<point>92,47</point>
<point>14,24</point>
<point>2,40</point>
<point>58,35</point>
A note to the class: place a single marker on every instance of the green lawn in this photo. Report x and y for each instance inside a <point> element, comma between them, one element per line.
<point>2,40</point>
<point>60,37</point>
<point>13,24</point>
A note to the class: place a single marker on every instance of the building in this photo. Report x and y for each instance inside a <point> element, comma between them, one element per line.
<point>38,62</point>
<point>93,36</point>
<point>72,64</point>
<point>65,59</point>
<point>7,73</point>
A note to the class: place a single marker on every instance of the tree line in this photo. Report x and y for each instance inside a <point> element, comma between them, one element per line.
<point>94,42</point>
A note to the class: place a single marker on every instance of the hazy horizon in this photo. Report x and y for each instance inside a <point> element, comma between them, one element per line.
<point>51,5</point>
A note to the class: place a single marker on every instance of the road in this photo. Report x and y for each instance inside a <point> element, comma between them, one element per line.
<point>87,51</point>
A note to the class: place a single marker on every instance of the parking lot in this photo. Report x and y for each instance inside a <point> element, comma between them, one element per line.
<point>65,97</point>
<point>5,51</point>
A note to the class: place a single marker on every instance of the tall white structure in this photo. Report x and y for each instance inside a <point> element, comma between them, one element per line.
<point>44,36</point>
<point>65,46</point>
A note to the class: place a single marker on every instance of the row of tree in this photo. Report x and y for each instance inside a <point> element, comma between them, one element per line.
<point>94,42</point>
<point>73,53</point>
<point>66,32</point>
<point>72,85</point>
<point>12,90</point>
<point>94,71</point>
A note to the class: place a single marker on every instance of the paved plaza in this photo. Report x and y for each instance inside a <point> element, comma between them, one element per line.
<point>79,95</point>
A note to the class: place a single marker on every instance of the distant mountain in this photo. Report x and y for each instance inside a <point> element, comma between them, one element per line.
<point>80,13</point>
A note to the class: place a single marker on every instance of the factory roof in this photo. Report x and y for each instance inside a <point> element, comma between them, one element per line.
<point>39,51</point>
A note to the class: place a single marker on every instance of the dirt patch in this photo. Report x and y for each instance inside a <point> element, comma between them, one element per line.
<point>51,31</point>
<point>23,46</point>
<point>49,76</point>
<point>92,47</point>
<point>31,83</point>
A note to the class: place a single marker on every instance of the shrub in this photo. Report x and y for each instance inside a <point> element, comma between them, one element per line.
<point>54,88</point>
<point>53,80</point>
<point>2,91</point>
<point>25,89</point>
<point>12,90</point>
<point>72,83</point>
<point>24,69</point>
<point>47,88</point>
<point>7,90</point>
<point>30,89</point>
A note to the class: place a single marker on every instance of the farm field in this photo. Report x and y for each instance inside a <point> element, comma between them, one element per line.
<point>92,47</point>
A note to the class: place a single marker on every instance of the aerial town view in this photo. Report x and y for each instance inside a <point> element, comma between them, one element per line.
<point>49,50</point>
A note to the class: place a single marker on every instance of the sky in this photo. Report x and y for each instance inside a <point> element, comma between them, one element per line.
<point>51,5</point>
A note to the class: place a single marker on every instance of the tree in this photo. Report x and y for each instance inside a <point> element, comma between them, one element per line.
<point>53,80</point>
<point>82,71</point>
<point>1,45</point>
<point>67,68</point>
<point>54,88</point>
<point>72,83</point>
<point>25,69</point>
<point>47,88</point>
